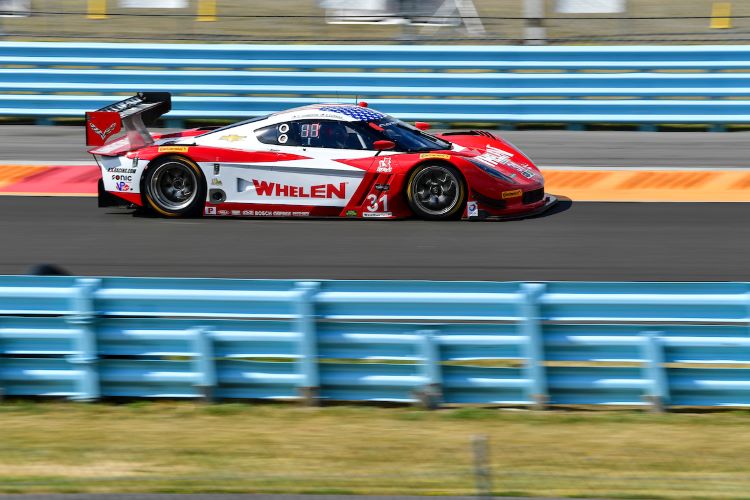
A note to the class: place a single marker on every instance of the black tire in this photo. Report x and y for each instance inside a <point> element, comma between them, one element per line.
<point>175,187</point>
<point>436,191</point>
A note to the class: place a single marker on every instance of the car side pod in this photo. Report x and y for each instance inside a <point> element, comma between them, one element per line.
<point>549,202</point>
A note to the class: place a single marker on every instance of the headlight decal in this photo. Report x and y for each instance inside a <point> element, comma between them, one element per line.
<point>492,171</point>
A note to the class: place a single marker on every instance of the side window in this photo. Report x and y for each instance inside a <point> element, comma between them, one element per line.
<point>318,134</point>
<point>307,133</point>
<point>365,134</point>
<point>335,135</point>
<point>281,134</point>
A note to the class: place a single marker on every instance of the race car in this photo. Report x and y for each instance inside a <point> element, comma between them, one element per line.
<point>322,160</point>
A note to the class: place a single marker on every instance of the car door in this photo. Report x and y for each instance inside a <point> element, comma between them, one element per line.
<point>321,164</point>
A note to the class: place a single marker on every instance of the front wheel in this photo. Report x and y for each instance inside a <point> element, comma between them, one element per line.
<point>436,192</point>
<point>175,187</point>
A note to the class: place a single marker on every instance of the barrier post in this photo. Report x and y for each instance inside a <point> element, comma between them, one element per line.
<point>204,364</point>
<point>97,9</point>
<point>430,395</point>
<point>307,363</point>
<point>534,32</point>
<point>721,15</point>
<point>533,346</point>
<point>482,474</point>
<point>655,372</point>
<point>86,358</point>
<point>206,11</point>
<point>2,388</point>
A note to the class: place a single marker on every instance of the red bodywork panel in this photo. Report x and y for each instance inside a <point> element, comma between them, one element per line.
<point>101,126</point>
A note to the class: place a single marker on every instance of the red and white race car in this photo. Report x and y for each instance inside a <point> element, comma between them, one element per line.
<point>326,160</point>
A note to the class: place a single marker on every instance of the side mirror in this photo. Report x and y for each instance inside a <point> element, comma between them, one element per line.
<point>384,145</point>
<point>422,125</point>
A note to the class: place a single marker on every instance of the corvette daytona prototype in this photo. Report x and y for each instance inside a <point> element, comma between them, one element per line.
<point>325,160</point>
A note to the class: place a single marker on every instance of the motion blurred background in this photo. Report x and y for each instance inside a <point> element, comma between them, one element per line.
<point>189,447</point>
<point>379,21</point>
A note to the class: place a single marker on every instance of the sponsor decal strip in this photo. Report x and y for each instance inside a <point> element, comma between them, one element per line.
<point>265,188</point>
<point>264,210</point>
<point>174,149</point>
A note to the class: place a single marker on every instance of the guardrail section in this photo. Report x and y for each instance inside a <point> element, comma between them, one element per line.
<point>575,85</point>
<point>639,344</point>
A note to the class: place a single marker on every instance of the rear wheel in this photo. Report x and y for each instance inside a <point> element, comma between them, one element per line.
<point>175,187</point>
<point>436,192</point>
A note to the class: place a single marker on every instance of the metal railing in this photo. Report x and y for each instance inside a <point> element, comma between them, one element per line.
<point>501,85</point>
<point>658,344</point>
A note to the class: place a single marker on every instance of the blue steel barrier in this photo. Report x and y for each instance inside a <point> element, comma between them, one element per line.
<point>499,84</point>
<point>441,57</point>
<point>640,344</point>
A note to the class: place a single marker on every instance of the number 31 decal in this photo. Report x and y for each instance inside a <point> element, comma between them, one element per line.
<point>374,203</point>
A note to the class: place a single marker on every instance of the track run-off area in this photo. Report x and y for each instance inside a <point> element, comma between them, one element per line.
<point>644,206</point>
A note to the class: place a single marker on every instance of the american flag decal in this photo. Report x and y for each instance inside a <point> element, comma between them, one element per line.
<point>356,112</point>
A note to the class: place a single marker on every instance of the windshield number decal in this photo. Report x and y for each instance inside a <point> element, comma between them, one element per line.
<point>310,130</point>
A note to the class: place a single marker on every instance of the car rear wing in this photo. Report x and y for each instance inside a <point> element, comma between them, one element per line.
<point>133,114</point>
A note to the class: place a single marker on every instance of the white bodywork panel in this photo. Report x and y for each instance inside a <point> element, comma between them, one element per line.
<point>121,174</point>
<point>301,182</point>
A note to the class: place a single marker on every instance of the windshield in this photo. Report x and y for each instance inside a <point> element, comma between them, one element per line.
<point>407,138</point>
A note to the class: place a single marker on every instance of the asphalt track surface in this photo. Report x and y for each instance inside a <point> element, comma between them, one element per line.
<point>546,148</point>
<point>578,241</point>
